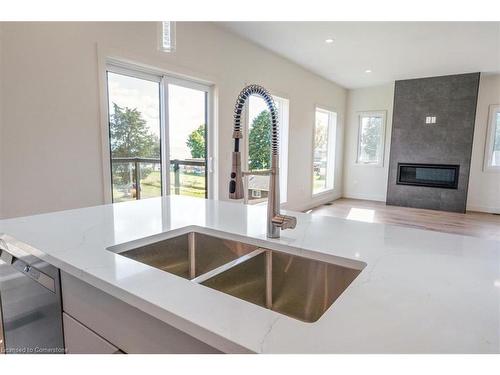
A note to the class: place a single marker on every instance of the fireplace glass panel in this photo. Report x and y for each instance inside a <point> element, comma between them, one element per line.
<point>432,175</point>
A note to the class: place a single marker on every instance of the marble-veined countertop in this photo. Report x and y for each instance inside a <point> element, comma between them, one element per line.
<point>420,292</point>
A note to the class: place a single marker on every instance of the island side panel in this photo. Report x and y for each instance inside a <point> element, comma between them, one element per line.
<point>124,326</point>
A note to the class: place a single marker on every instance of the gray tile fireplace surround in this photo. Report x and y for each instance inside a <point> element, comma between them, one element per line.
<point>452,101</point>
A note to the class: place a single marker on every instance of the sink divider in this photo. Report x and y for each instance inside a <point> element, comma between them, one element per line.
<point>269,279</point>
<point>216,271</point>
<point>192,254</point>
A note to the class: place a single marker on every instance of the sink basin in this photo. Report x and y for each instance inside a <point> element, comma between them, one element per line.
<point>299,287</point>
<point>189,255</point>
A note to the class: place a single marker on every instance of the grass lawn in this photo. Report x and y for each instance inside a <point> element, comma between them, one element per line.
<point>190,185</point>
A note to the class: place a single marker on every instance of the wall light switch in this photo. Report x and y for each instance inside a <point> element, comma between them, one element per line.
<point>433,119</point>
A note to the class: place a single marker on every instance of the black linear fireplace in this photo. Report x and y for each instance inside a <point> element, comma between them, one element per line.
<point>431,175</point>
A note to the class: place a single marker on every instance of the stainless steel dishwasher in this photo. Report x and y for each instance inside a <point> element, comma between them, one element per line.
<point>30,302</point>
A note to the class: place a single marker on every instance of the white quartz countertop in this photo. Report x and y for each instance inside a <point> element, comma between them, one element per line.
<point>420,292</point>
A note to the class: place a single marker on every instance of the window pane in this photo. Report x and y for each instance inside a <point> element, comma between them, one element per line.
<point>187,136</point>
<point>320,159</point>
<point>370,139</point>
<point>259,147</point>
<point>134,128</point>
<point>495,161</point>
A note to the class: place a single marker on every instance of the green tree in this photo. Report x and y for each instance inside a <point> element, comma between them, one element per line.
<point>370,137</point>
<point>196,142</point>
<point>259,142</point>
<point>130,135</point>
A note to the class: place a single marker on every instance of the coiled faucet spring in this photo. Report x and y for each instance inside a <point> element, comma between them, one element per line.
<point>238,109</point>
<point>275,220</point>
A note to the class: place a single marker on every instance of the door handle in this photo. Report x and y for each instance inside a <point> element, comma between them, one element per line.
<point>210,164</point>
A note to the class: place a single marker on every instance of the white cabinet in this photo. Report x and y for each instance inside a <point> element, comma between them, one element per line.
<point>79,339</point>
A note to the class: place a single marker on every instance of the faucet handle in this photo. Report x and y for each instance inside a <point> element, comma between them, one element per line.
<point>236,181</point>
<point>284,221</point>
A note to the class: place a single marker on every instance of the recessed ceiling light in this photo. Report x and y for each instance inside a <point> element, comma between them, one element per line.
<point>329,41</point>
<point>368,71</point>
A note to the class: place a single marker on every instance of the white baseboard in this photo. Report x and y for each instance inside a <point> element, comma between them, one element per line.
<point>485,209</point>
<point>314,202</point>
<point>368,197</point>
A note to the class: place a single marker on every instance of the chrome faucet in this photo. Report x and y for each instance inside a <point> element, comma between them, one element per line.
<point>275,220</point>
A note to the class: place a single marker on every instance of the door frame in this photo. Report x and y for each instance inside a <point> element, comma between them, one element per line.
<point>164,78</point>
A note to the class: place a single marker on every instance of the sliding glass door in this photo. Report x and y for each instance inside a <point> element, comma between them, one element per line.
<point>134,136</point>
<point>158,135</point>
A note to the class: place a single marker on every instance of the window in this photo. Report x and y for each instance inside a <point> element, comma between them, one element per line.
<point>258,146</point>
<point>371,134</point>
<point>325,130</point>
<point>256,194</point>
<point>155,151</point>
<point>492,157</point>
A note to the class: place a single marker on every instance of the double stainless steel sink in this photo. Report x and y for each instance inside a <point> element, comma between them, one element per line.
<point>295,286</point>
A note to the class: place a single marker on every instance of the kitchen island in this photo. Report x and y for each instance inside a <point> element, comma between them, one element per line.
<point>417,291</point>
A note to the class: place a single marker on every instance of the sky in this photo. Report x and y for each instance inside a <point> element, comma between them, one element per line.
<point>255,107</point>
<point>136,93</point>
<point>186,109</point>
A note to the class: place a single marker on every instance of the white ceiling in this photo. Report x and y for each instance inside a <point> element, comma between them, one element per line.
<point>391,50</point>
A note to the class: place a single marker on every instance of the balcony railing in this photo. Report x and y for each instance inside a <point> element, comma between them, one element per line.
<point>197,171</point>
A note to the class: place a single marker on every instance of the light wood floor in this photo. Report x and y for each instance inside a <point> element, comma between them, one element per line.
<point>475,224</point>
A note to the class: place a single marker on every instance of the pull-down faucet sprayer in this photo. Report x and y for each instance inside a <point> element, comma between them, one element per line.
<point>275,221</point>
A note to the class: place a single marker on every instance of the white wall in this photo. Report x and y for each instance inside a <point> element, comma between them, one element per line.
<point>366,181</point>
<point>1,124</point>
<point>51,150</point>
<point>484,187</point>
